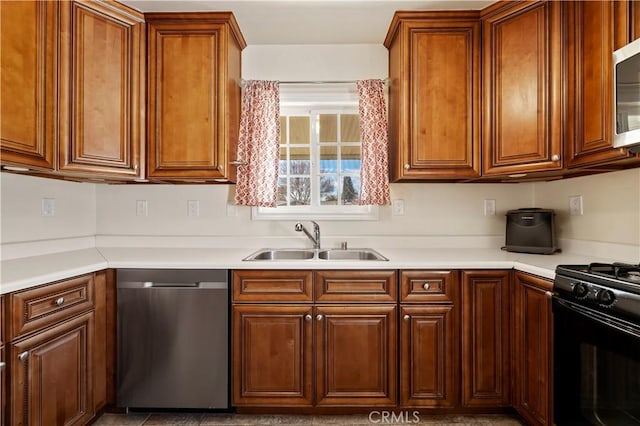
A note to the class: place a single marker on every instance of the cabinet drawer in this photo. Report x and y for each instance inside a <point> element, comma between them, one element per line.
<point>356,286</point>
<point>43,306</point>
<point>272,286</point>
<point>428,286</point>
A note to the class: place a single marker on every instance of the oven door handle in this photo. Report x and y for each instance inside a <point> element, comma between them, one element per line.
<point>601,318</point>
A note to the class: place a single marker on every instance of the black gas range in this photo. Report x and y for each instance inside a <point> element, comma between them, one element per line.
<point>596,311</point>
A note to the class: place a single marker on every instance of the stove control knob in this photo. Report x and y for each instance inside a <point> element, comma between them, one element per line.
<point>580,290</point>
<point>605,297</point>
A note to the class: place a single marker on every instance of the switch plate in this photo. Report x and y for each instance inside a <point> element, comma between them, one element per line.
<point>193,208</point>
<point>398,207</point>
<point>575,205</point>
<point>142,208</point>
<point>232,210</point>
<point>48,207</point>
<point>489,207</point>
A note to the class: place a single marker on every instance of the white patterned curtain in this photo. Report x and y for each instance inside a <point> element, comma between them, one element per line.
<point>259,144</point>
<point>374,173</point>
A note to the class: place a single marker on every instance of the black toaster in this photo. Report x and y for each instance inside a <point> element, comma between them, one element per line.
<point>531,230</point>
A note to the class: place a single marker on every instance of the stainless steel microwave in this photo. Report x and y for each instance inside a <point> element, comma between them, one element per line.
<point>626,96</point>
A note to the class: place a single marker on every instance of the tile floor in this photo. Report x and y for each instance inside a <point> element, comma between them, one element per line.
<point>211,419</point>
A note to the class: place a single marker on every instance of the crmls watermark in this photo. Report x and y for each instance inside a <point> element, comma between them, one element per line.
<point>391,417</point>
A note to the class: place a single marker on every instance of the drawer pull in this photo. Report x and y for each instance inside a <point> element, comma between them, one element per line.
<point>406,317</point>
<point>59,301</point>
<point>308,317</point>
<point>426,286</point>
<point>319,317</point>
<point>2,365</point>
<point>24,356</point>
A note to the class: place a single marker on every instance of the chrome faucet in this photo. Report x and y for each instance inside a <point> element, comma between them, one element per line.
<point>316,233</point>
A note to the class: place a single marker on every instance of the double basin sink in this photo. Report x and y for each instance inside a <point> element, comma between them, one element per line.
<point>316,254</point>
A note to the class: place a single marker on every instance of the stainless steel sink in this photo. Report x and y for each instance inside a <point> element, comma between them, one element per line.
<point>282,254</point>
<point>350,254</point>
<point>311,254</point>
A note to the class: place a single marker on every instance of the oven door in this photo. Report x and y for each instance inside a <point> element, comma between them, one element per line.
<point>596,367</point>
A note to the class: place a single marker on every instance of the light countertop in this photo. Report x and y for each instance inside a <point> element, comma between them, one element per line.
<point>21,273</point>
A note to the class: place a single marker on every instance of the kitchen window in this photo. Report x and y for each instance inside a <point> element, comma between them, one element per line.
<point>320,157</point>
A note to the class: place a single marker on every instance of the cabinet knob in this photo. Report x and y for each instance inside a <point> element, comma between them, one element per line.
<point>319,317</point>
<point>59,301</point>
<point>407,166</point>
<point>426,286</point>
<point>555,157</point>
<point>238,163</point>
<point>135,167</point>
<point>24,356</point>
<point>2,365</point>
<point>548,294</point>
<point>406,317</point>
<point>308,317</point>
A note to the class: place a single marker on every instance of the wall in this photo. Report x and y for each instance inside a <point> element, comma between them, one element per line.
<point>21,209</point>
<point>611,206</point>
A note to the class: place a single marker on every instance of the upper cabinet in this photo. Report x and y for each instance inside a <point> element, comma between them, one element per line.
<point>194,95</point>
<point>28,83</point>
<point>101,97</point>
<point>595,30</point>
<point>72,88</point>
<point>522,103</point>
<point>434,95</point>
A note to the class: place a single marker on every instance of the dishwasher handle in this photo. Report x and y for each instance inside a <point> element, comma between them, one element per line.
<point>170,285</point>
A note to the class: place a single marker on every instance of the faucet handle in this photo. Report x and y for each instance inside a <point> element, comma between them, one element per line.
<point>299,227</point>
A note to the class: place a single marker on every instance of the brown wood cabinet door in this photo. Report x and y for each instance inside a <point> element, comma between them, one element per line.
<point>434,124</point>
<point>592,37</point>
<point>102,71</point>
<point>3,385</point>
<point>272,355</point>
<point>533,349</point>
<point>194,97</point>
<point>522,129</point>
<point>356,355</point>
<point>28,82</point>
<point>429,356</point>
<point>485,338</point>
<point>635,19</point>
<point>51,378</point>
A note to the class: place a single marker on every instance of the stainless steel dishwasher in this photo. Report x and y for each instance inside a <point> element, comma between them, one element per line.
<point>172,338</point>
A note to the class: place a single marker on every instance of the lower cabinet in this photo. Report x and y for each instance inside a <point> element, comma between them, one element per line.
<point>485,338</point>
<point>51,380</point>
<point>305,354</point>
<point>532,345</point>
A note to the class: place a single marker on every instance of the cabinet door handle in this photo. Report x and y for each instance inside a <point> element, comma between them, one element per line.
<point>2,365</point>
<point>59,301</point>
<point>555,157</point>
<point>238,163</point>
<point>407,166</point>
<point>308,317</point>
<point>406,317</point>
<point>135,167</point>
<point>319,317</point>
<point>426,286</point>
<point>24,356</point>
<point>548,294</point>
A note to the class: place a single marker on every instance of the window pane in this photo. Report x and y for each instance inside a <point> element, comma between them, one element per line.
<point>300,191</point>
<point>300,161</point>
<point>350,194</point>
<point>299,130</point>
<point>328,191</point>
<point>283,161</point>
<point>350,128</point>
<point>282,192</point>
<point>329,159</point>
<point>283,130</point>
<point>328,128</point>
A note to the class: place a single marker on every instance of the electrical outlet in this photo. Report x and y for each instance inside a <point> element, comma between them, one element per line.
<point>575,205</point>
<point>193,208</point>
<point>142,208</point>
<point>489,207</point>
<point>48,207</point>
<point>398,207</point>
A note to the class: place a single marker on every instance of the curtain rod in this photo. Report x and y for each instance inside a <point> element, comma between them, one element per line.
<point>243,82</point>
